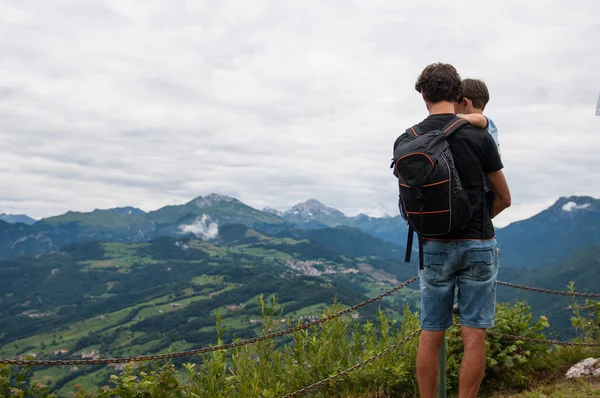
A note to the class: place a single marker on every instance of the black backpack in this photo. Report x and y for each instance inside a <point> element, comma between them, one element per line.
<point>432,198</point>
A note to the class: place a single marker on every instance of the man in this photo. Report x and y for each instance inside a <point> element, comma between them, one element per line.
<point>467,258</point>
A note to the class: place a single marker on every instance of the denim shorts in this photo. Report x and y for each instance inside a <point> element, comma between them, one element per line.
<point>470,265</point>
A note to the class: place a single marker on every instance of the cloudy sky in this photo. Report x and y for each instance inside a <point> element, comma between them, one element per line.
<point>107,103</point>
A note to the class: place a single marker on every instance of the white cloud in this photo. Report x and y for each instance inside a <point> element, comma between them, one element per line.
<point>570,206</point>
<point>148,103</point>
<point>202,227</point>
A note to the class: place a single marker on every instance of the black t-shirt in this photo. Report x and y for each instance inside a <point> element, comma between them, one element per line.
<point>475,152</point>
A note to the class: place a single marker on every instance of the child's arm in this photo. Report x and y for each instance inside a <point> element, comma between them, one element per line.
<point>476,119</point>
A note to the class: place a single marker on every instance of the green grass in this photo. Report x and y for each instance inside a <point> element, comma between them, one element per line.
<point>585,387</point>
<point>311,310</point>
<point>50,374</point>
<point>208,248</point>
<point>120,255</point>
<point>204,279</point>
<point>266,254</point>
<point>545,377</point>
<point>89,381</point>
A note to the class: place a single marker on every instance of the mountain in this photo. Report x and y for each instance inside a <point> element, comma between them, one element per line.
<point>129,224</point>
<point>313,214</point>
<point>312,210</point>
<point>581,268</point>
<point>392,229</point>
<point>553,235</point>
<point>19,239</point>
<point>350,241</point>
<point>220,208</point>
<point>124,210</point>
<point>271,210</point>
<point>17,218</point>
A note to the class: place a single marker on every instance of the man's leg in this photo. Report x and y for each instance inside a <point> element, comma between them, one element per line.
<point>472,366</point>
<point>437,284</point>
<point>428,362</point>
<point>477,301</point>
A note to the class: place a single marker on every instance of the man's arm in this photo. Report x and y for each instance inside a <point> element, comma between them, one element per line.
<point>476,119</point>
<point>499,186</point>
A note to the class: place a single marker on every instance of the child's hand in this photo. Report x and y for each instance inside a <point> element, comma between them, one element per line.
<point>476,119</point>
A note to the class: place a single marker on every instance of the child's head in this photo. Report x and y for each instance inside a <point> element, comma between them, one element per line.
<point>475,96</point>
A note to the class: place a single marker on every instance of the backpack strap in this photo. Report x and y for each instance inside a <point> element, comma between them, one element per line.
<point>409,243</point>
<point>453,126</point>
<point>414,131</point>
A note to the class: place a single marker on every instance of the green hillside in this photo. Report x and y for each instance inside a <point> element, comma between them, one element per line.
<point>582,268</point>
<point>118,299</point>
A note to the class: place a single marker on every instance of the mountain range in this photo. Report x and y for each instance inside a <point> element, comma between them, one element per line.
<point>130,224</point>
<point>546,238</point>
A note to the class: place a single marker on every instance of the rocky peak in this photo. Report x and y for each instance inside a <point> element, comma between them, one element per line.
<point>212,200</point>
<point>313,207</point>
<point>271,210</point>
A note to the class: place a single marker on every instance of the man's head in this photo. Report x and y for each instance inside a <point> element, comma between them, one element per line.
<point>475,96</point>
<point>439,83</point>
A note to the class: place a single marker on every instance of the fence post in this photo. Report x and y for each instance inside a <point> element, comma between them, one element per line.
<point>441,388</point>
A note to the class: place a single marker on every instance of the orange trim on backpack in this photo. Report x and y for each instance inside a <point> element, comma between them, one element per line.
<point>449,127</point>
<point>436,183</point>
<point>415,153</point>
<point>428,212</point>
<point>426,185</point>
<point>414,132</point>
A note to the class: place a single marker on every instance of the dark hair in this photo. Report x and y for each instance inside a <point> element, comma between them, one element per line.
<point>440,82</point>
<point>477,92</point>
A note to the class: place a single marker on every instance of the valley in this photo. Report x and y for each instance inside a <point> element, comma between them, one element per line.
<point>122,282</point>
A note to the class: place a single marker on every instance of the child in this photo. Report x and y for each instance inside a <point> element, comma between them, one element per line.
<point>470,107</point>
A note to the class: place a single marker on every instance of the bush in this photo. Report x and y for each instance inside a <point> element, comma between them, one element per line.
<point>586,318</point>
<point>15,381</point>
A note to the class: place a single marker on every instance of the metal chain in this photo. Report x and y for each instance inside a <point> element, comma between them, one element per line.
<point>557,292</point>
<point>554,342</point>
<point>68,362</point>
<point>353,368</point>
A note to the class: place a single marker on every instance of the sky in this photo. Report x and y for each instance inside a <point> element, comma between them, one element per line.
<point>147,103</point>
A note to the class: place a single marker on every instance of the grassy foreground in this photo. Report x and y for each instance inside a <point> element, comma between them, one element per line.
<point>566,389</point>
<point>271,369</point>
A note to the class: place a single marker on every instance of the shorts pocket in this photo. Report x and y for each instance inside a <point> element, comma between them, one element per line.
<point>481,263</point>
<point>433,263</point>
